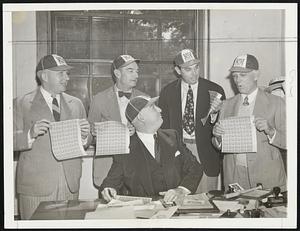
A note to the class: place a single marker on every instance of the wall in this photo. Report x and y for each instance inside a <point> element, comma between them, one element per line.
<point>236,32</point>
<point>24,51</point>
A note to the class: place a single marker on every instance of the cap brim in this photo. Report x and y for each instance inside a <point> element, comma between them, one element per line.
<point>131,61</point>
<point>274,87</point>
<point>60,68</point>
<point>189,63</point>
<point>152,101</point>
<point>240,69</point>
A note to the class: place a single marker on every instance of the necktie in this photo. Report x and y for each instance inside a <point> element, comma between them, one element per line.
<point>156,148</point>
<point>188,116</point>
<point>55,109</point>
<point>126,94</point>
<point>246,102</point>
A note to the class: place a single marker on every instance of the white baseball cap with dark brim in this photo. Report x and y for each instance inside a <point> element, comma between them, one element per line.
<point>244,63</point>
<point>137,104</point>
<point>186,58</point>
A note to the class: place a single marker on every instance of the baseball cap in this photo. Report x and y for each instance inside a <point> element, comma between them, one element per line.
<point>185,58</point>
<point>275,84</point>
<point>53,62</point>
<point>244,63</point>
<point>136,104</point>
<point>123,60</point>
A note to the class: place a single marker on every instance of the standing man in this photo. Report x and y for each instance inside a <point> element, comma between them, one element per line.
<point>266,165</point>
<point>40,177</point>
<point>184,102</point>
<point>158,162</point>
<point>111,103</point>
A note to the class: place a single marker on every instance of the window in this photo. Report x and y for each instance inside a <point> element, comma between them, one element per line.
<point>90,40</point>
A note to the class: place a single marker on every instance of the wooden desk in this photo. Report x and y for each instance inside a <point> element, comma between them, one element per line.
<point>73,209</point>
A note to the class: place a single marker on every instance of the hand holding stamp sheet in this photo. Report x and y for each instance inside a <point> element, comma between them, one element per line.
<point>213,96</point>
<point>240,135</point>
<point>66,139</point>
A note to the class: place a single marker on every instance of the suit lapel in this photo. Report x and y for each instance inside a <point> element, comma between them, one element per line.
<point>203,102</point>
<point>39,108</point>
<point>113,105</point>
<point>177,106</point>
<point>65,108</point>
<point>261,104</point>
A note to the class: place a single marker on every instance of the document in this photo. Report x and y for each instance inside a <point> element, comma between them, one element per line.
<point>66,139</point>
<point>112,138</point>
<point>240,135</point>
<point>125,212</point>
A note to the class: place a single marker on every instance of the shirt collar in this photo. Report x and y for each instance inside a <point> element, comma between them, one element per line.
<point>145,136</point>
<point>251,96</point>
<point>47,95</point>
<point>186,85</point>
<point>117,89</point>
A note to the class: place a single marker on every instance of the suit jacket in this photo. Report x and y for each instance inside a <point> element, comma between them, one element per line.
<point>265,166</point>
<point>37,171</point>
<point>131,170</point>
<point>170,103</point>
<point>105,107</point>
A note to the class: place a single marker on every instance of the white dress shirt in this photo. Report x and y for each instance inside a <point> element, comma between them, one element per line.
<point>122,102</point>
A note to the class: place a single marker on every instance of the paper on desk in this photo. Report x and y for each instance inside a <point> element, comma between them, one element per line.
<point>66,139</point>
<point>165,213</point>
<point>124,212</point>
<point>225,205</point>
<point>114,203</point>
<point>240,135</point>
<point>112,138</point>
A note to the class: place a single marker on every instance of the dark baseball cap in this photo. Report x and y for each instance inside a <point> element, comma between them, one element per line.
<point>53,62</point>
<point>244,63</point>
<point>186,58</point>
<point>123,60</point>
<point>136,104</point>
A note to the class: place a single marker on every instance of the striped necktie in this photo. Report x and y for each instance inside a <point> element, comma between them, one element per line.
<point>55,109</point>
<point>156,148</point>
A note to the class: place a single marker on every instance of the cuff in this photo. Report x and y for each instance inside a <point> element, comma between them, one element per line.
<point>271,139</point>
<point>186,191</point>
<point>29,139</point>
<point>84,141</point>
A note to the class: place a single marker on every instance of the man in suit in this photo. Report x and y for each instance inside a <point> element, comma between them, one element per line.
<point>110,104</point>
<point>184,102</point>
<point>158,161</point>
<point>266,165</point>
<point>40,177</point>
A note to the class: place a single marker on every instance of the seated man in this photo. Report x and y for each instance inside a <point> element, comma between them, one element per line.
<point>158,163</point>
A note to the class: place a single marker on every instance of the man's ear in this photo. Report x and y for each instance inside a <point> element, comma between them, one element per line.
<point>117,73</point>
<point>177,69</point>
<point>257,73</point>
<point>43,76</point>
<point>140,117</point>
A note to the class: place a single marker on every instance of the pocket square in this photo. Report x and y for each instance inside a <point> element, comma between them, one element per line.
<point>177,153</point>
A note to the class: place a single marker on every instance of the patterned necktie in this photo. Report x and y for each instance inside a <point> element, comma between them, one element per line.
<point>55,109</point>
<point>188,116</point>
<point>156,148</point>
<point>126,94</point>
<point>246,102</point>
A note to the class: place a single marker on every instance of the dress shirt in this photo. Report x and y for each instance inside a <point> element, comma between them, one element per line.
<point>148,141</point>
<point>184,90</point>
<point>122,102</point>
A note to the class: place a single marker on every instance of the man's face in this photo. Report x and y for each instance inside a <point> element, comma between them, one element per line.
<point>128,76</point>
<point>246,82</point>
<point>56,81</point>
<point>190,74</point>
<point>152,115</point>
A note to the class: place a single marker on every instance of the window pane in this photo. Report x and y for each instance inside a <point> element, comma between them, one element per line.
<point>148,70</point>
<point>100,84</point>
<point>141,39</point>
<point>149,86</point>
<point>177,35</point>
<point>102,69</point>
<point>106,38</point>
<point>71,37</point>
<point>79,69</point>
<point>78,87</point>
<point>167,74</point>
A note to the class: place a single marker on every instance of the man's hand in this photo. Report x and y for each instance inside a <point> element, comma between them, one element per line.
<point>131,129</point>
<point>173,194</point>
<point>108,194</point>
<point>39,128</point>
<point>218,131</point>
<point>216,105</point>
<point>84,128</point>
<point>262,124</point>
